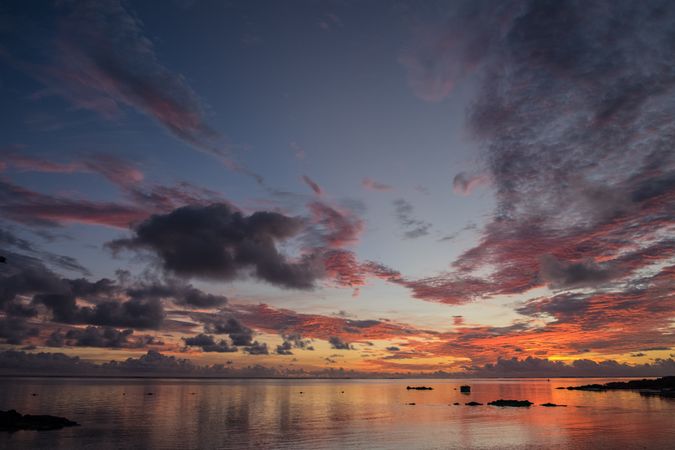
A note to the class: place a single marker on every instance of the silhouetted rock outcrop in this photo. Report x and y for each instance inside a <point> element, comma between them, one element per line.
<point>514,403</point>
<point>473,404</point>
<point>661,386</point>
<point>420,388</point>
<point>14,421</point>
<point>465,389</point>
<point>551,405</point>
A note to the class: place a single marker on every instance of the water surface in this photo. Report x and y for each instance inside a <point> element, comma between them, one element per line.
<point>324,414</point>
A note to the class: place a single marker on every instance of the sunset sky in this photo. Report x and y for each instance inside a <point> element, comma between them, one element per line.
<point>380,186</point>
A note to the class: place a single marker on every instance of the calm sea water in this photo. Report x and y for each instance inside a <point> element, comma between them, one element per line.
<point>318,414</point>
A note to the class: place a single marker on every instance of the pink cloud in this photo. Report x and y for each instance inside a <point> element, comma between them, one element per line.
<point>464,183</point>
<point>373,185</point>
<point>312,184</point>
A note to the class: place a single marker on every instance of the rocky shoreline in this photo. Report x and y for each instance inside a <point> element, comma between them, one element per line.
<point>664,387</point>
<point>13,421</point>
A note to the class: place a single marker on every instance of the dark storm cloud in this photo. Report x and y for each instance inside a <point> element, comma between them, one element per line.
<point>559,274</point>
<point>413,227</point>
<point>362,323</point>
<point>56,339</point>
<point>257,348</point>
<point>28,289</point>
<point>14,330</point>
<point>238,332</point>
<point>178,291</point>
<point>291,341</point>
<point>567,306</point>
<point>97,337</point>
<point>217,242</point>
<point>209,344</point>
<point>134,313</point>
<point>297,341</point>
<point>337,343</point>
<point>284,348</point>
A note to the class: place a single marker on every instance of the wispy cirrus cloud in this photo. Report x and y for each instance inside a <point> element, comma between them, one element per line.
<point>116,170</point>
<point>99,58</point>
<point>370,184</point>
<point>103,61</point>
<point>573,137</point>
<point>34,208</point>
<point>141,199</point>
<point>313,185</point>
<point>413,227</point>
<point>465,183</point>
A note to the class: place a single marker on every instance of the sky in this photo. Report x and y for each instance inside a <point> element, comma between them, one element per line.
<point>305,187</point>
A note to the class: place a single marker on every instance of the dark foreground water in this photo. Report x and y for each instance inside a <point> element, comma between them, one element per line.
<point>317,414</point>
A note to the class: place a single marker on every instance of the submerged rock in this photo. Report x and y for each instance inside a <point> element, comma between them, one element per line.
<point>514,403</point>
<point>551,405</point>
<point>420,388</point>
<point>473,404</point>
<point>14,421</point>
<point>465,389</point>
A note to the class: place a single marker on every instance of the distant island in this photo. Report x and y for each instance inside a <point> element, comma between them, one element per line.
<point>664,386</point>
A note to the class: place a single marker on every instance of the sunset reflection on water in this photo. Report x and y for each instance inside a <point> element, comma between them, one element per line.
<point>315,414</point>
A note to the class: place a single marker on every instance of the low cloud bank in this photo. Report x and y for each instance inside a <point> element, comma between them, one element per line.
<point>158,364</point>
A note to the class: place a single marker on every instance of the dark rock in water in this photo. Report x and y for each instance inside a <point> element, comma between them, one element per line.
<point>420,388</point>
<point>551,405</point>
<point>670,393</point>
<point>473,404</point>
<point>465,389</point>
<point>561,387</point>
<point>410,404</point>
<point>661,386</point>
<point>515,403</point>
<point>456,403</point>
<point>13,421</point>
<point>149,393</point>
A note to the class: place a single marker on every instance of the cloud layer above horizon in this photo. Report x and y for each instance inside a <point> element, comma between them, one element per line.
<point>485,188</point>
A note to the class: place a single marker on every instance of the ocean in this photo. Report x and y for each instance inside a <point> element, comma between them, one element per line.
<point>332,414</point>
